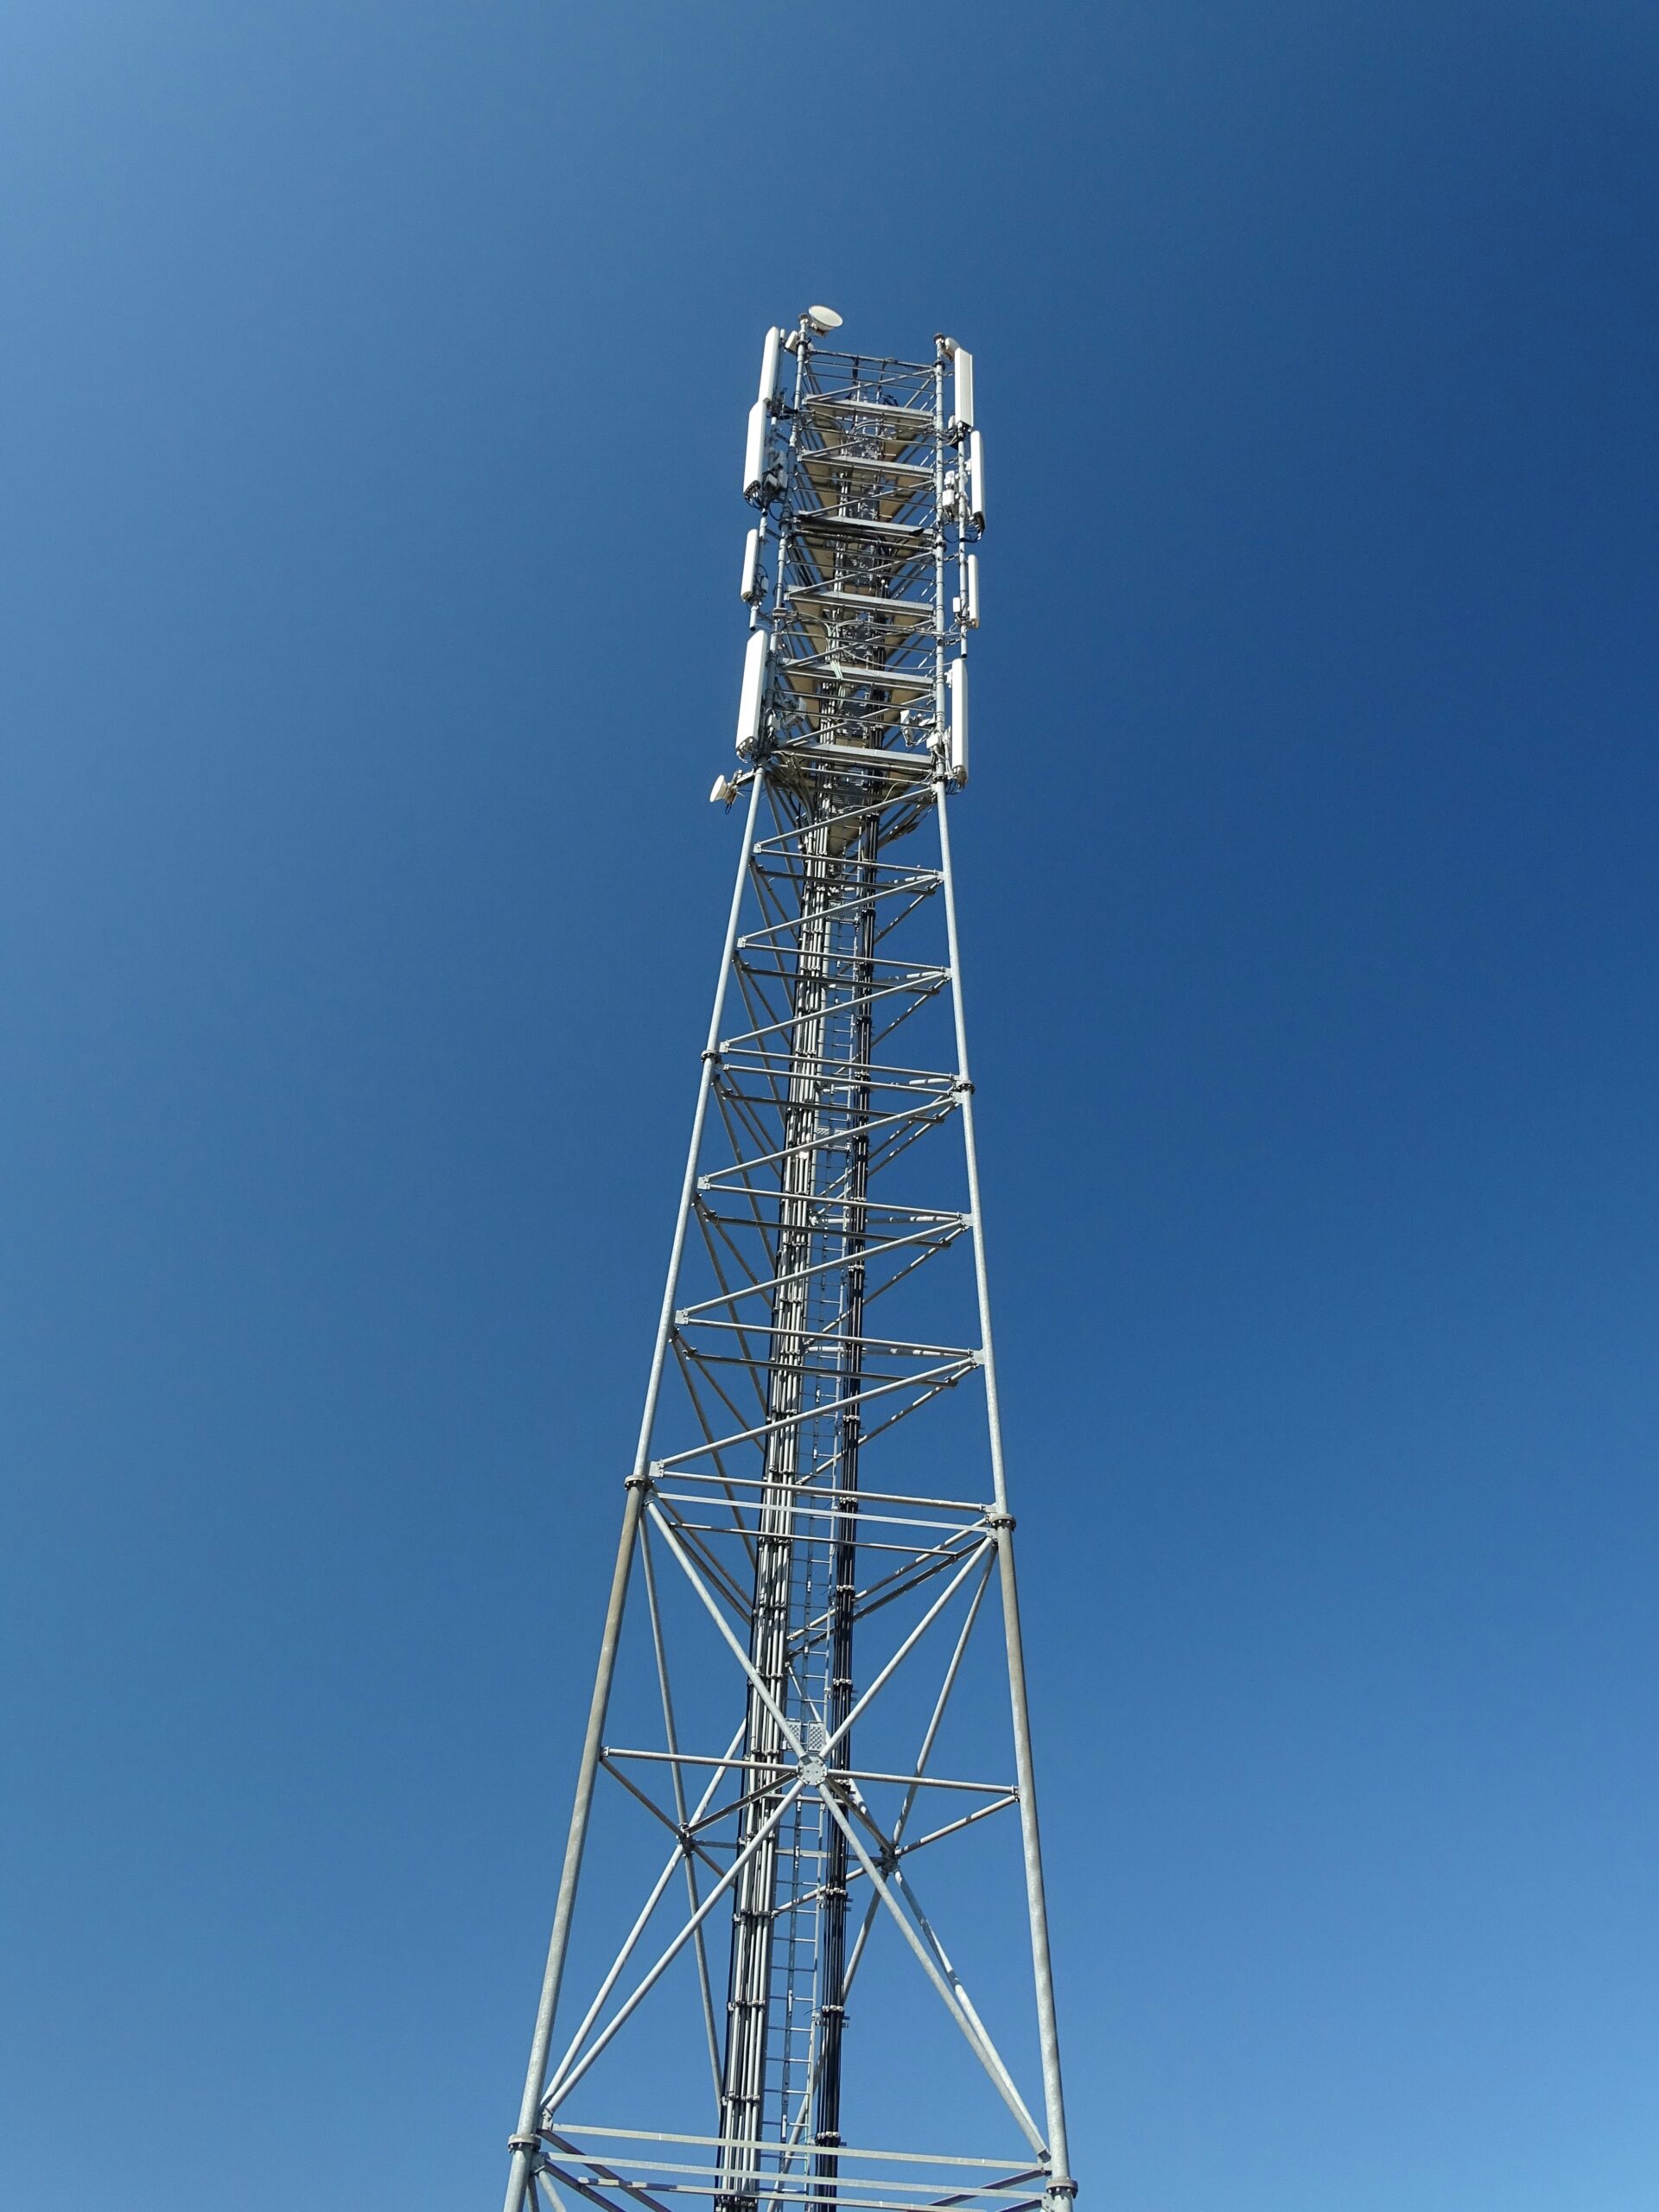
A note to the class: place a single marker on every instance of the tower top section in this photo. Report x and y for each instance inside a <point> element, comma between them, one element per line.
<point>861,573</point>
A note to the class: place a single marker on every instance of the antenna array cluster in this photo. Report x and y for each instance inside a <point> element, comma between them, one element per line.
<point>860,574</point>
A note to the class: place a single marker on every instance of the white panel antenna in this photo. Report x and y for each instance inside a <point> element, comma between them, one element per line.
<point>754,451</point>
<point>769,368</point>
<point>976,481</point>
<point>961,412</point>
<point>752,699</point>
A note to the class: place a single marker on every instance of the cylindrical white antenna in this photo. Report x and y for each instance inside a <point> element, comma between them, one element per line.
<point>755,452</point>
<point>752,699</point>
<point>769,368</point>
<point>957,681</point>
<point>752,586</point>
<point>976,480</point>
<point>970,591</point>
<point>961,411</point>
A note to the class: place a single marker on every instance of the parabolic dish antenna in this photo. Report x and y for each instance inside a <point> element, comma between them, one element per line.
<point>825,318</point>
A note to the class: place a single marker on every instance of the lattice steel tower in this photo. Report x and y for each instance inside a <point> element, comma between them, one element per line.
<point>810,1687</point>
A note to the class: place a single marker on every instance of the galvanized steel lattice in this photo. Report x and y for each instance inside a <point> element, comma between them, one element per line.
<point>773,1506</point>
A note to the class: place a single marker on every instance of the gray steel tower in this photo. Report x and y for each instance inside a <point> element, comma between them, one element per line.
<point>810,1687</point>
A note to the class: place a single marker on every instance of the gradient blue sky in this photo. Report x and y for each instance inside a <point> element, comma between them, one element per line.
<point>372,385</point>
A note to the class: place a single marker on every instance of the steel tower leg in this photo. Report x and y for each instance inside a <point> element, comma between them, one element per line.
<point>1061,2183</point>
<point>524,2139</point>
<point>773,1623</point>
<point>843,1600</point>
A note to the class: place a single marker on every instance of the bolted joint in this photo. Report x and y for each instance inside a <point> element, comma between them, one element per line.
<point>963,1088</point>
<point>711,1053</point>
<point>998,1520</point>
<point>641,1482</point>
<point>530,2145</point>
<point>1060,2194</point>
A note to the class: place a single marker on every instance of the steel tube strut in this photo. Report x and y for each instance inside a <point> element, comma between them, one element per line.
<point>524,2140</point>
<point>1041,1959</point>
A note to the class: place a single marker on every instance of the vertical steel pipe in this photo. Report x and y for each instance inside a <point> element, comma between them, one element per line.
<point>1036,1901</point>
<point>524,2135</point>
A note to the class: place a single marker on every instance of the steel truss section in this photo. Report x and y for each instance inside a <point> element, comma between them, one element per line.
<point>829,1201</point>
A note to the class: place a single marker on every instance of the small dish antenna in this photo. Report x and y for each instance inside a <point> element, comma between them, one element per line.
<point>824,318</point>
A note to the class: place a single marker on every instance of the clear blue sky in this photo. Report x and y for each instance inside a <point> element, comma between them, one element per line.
<point>372,387</point>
